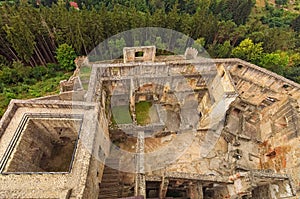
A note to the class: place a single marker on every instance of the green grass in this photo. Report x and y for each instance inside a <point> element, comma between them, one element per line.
<point>142,112</point>
<point>121,115</point>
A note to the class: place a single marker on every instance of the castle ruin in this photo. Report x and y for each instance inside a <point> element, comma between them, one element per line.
<point>156,127</point>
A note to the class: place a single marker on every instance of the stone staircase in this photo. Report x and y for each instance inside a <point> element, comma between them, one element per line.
<point>109,187</point>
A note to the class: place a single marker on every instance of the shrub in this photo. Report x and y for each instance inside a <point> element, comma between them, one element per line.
<point>65,56</point>
<point>38,72</point>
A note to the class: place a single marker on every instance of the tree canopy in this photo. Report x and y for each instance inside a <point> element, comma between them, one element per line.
<point>33,31</point>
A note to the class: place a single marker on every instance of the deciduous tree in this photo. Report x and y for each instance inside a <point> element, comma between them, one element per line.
<point>249,51</point>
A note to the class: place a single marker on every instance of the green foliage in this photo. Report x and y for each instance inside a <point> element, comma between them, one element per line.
<point>281,2</point>
<point>4,61</point>
<point>198,44</point>
<point>276,62</point>
<point>296,24</point>
<point>5,75</point>
<point>293,73</point>
<point>236,10</point>
<point>293,70</point>
<point>116,47</point>
<point>277,17</point>
<point>66,55</point>
<point>248,51</point>
<point>19,35</point>
<point>13,74</point>
<point>18,81</point>
<point>19,72</point>
<point>216,21</point>
<point>294,60</point>
<point>159,44</point>
<point>221,50</point>
<point>26,91</point>
<point>278,39</point>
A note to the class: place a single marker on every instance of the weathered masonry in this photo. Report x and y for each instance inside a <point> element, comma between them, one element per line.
<point>156,127</point>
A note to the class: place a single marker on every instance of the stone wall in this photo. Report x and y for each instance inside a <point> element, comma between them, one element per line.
<point>148,53</point>
<point>45,145</point>
<point>8,115</point>
<point>28,154</point>
<point>51,185</point>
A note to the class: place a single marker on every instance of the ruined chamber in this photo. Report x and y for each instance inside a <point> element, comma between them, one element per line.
<point>184,127</point>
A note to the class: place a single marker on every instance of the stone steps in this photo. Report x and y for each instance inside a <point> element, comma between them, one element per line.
<point>109,187</point>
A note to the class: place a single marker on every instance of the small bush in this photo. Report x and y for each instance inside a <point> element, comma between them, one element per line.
<point>38,72</point>
<point>65,56</point>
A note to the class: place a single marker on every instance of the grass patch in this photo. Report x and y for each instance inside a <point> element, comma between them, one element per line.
<point>121,115</point>
<point>142,113</point>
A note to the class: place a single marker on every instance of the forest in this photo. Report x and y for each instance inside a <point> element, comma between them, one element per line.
<point>38,38</point>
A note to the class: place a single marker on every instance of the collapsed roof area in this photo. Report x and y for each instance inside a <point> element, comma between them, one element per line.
<point>156,127</point>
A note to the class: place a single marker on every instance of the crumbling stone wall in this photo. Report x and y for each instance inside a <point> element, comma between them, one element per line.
<point>279,151</point>
<point>271,104</point>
